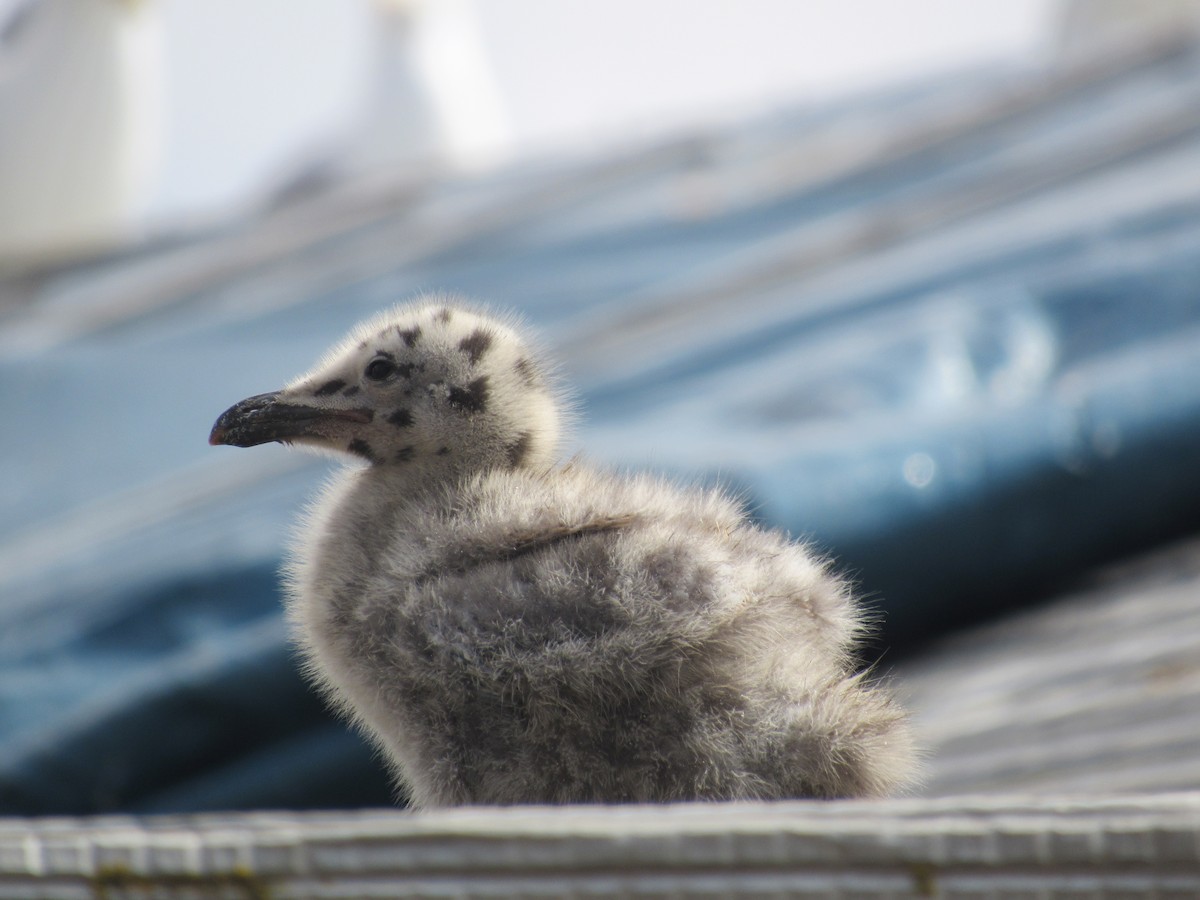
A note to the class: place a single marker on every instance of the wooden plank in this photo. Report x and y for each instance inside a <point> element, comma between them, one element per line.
<point>1011,847</point>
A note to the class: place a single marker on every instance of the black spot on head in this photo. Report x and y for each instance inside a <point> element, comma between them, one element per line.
<point>443,316</point>
<point>404,454</point>
<point>475,344</point>
<point>359,447</point>
<point>401,418</point>
<point>329,387</point>
<point>362,345</point>
<point>405,370</point>
<point>410,336</point>
<point>350,391</point>
<point>518,450</point>
<point>442,451</point>
<point>473,398</point>
<point>527,372</point>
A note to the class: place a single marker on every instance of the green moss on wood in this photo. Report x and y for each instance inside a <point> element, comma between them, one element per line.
<point>117,880</point>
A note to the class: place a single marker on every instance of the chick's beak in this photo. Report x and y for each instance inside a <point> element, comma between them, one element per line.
<point>267,417</point>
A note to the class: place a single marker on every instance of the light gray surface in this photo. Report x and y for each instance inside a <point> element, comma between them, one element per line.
<point>1096,692</point>
<point>987,847</point>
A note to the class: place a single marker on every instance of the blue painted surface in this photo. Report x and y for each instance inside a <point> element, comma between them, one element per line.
<point>967,365</point>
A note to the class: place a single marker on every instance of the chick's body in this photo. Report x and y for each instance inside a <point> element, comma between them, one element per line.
<point>509,630</point>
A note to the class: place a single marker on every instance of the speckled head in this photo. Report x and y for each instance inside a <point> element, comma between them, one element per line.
<point>434,385</point>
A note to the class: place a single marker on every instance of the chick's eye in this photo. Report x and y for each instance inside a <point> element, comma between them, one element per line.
<point>379,369</point>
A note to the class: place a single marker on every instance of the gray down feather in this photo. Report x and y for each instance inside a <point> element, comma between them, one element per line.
<point>510,629</point>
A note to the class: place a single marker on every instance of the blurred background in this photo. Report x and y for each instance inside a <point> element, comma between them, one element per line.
<point>920,281</point>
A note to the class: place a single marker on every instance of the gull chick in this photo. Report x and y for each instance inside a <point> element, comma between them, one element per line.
<point>509,629</point>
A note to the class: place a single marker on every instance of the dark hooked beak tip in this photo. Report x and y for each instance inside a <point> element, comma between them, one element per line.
<point>255,420</point>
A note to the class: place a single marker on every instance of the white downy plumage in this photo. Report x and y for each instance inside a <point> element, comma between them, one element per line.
<point>509,629</point>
